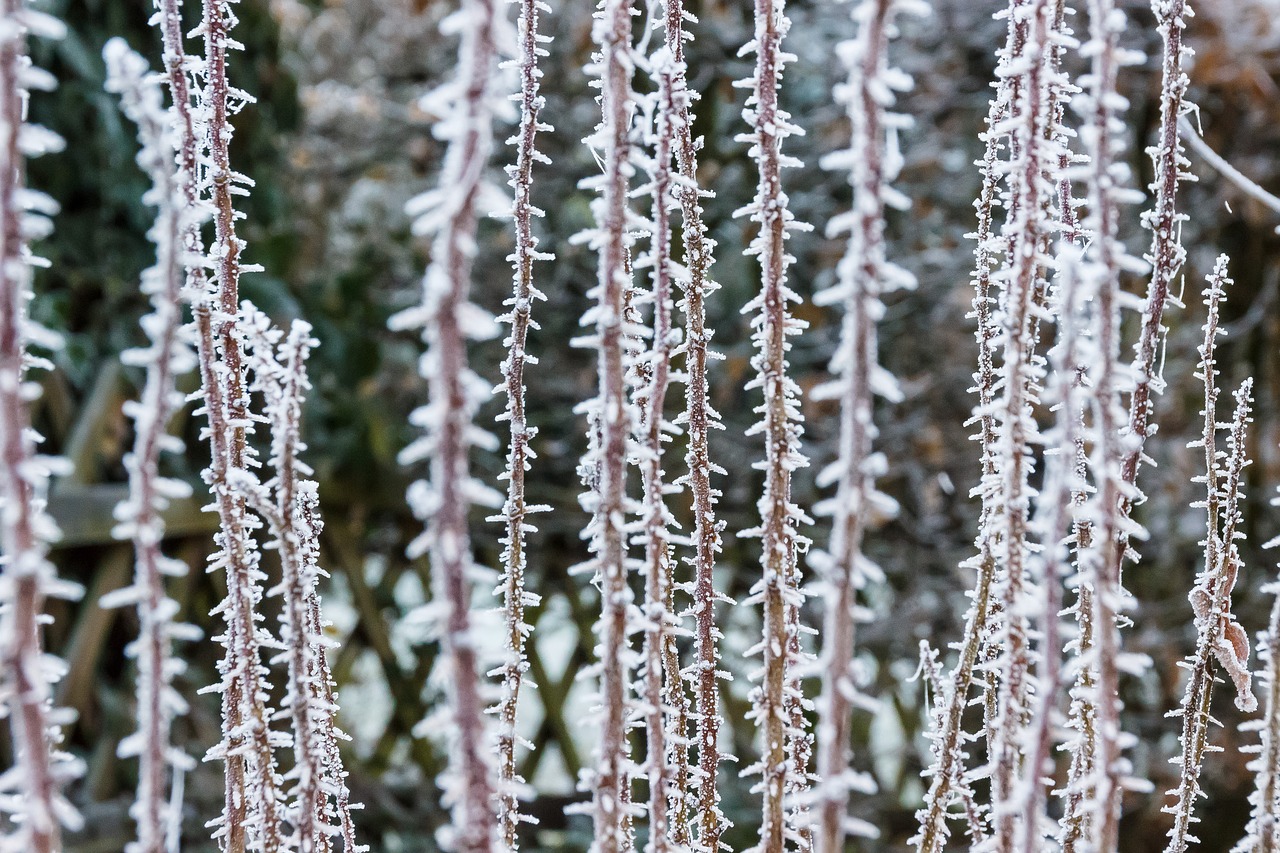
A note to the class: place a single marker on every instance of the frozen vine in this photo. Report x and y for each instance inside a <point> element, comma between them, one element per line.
<point>449,215</point>
<point>167,356</point>
<point>863,275</point>
<point>783,771</point>
<point>32,789</point>
<point>515,510</point>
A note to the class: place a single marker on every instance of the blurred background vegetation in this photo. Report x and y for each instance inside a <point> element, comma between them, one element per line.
<point>337,144</point>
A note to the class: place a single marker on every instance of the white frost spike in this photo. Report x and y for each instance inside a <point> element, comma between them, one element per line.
<point>449,215</point>
<point>30,793</point>
<point>864,274</point>
<point>778,700</point>
<point>515,510</point>
<point>167,356</point>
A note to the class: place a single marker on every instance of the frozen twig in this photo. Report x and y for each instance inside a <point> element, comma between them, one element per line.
<point>1049,566</point>
<point>946,772</point>
<point>290,505</point>
<point>661,690</point>
<point>1231,173</point>
<point>1095,771</point>
<point>1026,231</point>
<point>1166,254</point>
<point>1262,835</point>
<point>252,818</point>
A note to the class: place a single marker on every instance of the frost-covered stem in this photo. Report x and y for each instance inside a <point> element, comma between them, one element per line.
<point>699,419</point>
<point>279,374</point>
<point>1059,96</point>
<point>252,817</point>
<point>774,698</point>
<point>449,213</point>
<point>656,521</point>
<point>1026,232</point>
<point>322,683</point>
<point>1262,835</point>
<point>613,418</point>
<point>140,514</point>
<point>863,274</point>
<point>947,732</point>
<point>1166,254</point>
<point>515,511</point>
<point>1054,520</point>
<point>25,530</point>
<point>1220,639</point>
<point>1096,772</point>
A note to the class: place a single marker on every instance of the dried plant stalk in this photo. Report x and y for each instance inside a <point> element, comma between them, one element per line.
<point>1026,231</point>
<point>1262,834</point>
<point>515,510</point>
<point>947,770</point>
<point>290,504</point>
<point>776,700</point>
<point>1094,753</point>
<point>1166,254</point>
<point>1053,523</point>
